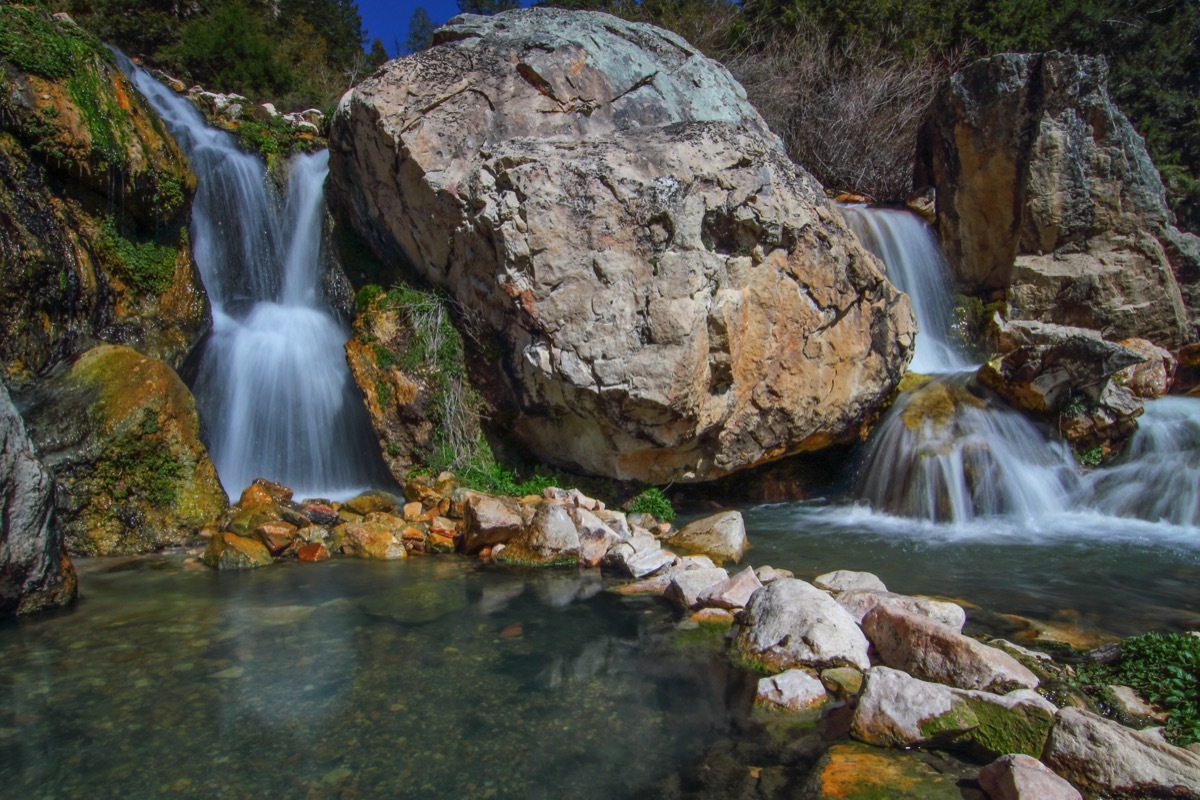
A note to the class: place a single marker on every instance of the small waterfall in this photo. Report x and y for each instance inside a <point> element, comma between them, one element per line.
<point>1158,477</point>
<point>948,450</point>
<point>915,264</point>
<point>273,387</point>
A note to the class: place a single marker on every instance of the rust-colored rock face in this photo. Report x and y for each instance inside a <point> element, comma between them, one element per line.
<point>658,293</point>
<point>1046,193</point>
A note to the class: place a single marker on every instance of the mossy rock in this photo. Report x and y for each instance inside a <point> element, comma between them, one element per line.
<point>121,435</point>
<point>852,771</point>
<point>230,551</point>
<point>936,402</point>
<point>94,202</point>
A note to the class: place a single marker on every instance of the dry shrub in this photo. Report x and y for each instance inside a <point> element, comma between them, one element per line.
<point>846,112</point>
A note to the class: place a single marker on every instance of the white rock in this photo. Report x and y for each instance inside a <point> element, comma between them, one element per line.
<point>735,592</point>
<point>688,584</point>
<point>789,623</point>
<point>859,601</point>
<point>844,579</point>
<point>1020,777</point>
<point>721,536</point>
<point>794,690</point>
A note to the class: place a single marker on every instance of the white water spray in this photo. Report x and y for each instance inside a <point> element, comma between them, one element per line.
<point>272,386</point>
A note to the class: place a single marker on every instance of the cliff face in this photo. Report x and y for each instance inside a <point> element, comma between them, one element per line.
<point>94,201</point>
<point>659,292</point>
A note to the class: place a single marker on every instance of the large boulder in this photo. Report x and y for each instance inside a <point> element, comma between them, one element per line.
<point>931,651</point>
<point>898,710</point>
<point>656,291</point>
<point>1082,746</point>
<point>789,623</point>
<point>721,537</point>
<point>1047,194</point>
<point>1021,777</point>
<point>94,200</point>
<point>121,435</point>
<point>34,570</point>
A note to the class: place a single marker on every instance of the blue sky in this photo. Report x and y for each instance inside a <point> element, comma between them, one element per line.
<point>388,19</point>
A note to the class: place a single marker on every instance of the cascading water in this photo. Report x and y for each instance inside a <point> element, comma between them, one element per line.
<point>947,450</point>
<point>272,384</point>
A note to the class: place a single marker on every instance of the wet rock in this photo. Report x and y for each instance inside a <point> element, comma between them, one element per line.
<point>275,536</point>
<point>859,601</point>
<point>844,682</point>
<point>255,495</point>
<point>35,573</point>
<point>1045,191</point>
<point>636,338</point>
<point>733,592</point>
<point>790,623</point>
<point>121,434</point>
<point>1127,702</point>
<point>1151,377</point>
<point>413,512</point>
<point>371,501</point>
<point>687,585</point>
<point>550,539</point>
<point>844,580</point>
<point>1082,746</point>
<point>898,710</point>
<point>793,690</point>
<point>767,574</point>
<point>73,273</point>
<point>595,537</point>
<point>319,513</point>
<point>489,521</point>
<point>934,652</point>
<point>371,540</point>
<point>722,537</point>
<point>713,616</point>
<point>1021,777</point>
<point>852,771</point>
<point>230,551</point>
<point>313,551</point>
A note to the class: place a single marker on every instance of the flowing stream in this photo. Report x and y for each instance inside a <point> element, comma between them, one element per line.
<point>272,385</point>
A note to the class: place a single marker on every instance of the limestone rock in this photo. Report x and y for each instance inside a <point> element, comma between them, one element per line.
<point>859,601</point>
<point>721,536</point>
<point>551,539</point>
<point>595,537</point>
<point>1021,777</point>
<point>121,434</point>
<point>898,710</point>
<point>793,690</point>
<point>934,652</point>
<point>845,579</point>
<point>1081,749</point>
<point>687,585</point>
<point>733,592</point>
<point>230,551</point>
<point>34,570</point>
<point>790,623</point>
<point>591,193</point>
<point>372,540</point>
<point>1152,377</point>
<point>1046,192</point>
<point>488,521</point>
<point>73,273</point>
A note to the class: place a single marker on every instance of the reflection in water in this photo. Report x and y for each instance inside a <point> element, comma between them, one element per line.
<point>315,681</point>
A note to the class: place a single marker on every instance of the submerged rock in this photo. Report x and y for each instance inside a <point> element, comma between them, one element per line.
<point>35,573</point>
<point>230,551</point>
<point>789,623</point>
<point>670,298</point>
<point>417,603</point>
<point>1046,192</point>
<point>793,690</point>
<point>852,771</point>
<point>121,435</point>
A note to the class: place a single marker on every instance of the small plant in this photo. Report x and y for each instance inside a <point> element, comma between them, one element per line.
<point>1165,668</point>
<point>1090,457</point>
<point>653,502</point>
<point>148,267</point>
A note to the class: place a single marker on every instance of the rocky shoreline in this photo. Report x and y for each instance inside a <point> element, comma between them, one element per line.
<point>896,669</point>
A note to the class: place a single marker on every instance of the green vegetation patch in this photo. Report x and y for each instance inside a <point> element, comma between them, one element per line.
<point>1165,669</point>
<point>33,42</point>
<point>653,502</point>
<point>148,266</point>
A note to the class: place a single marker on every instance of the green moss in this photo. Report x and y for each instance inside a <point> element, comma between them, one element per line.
<point>383,393</point>
<point>91,93</point>
<point>960,718</point>
<point>33,42</point>
<point>140,465</point>
<point>384,358</point>
<point>1009,730</point>
<point>365,297</point>
<point>705,637</point>
<point>148,266</point>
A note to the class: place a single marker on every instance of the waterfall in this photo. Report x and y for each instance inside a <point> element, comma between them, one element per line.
<point>949,450</point>
<point>916,266</point>
<point>272,386</point>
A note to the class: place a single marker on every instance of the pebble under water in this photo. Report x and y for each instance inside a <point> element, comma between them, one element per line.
<point>432,677</point>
